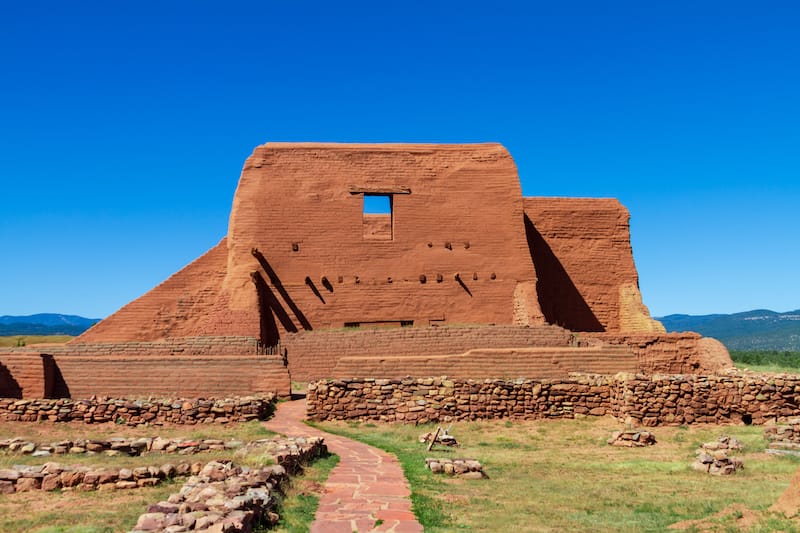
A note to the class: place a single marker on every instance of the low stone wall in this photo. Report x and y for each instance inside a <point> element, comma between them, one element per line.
<point>53,476</point>
<point>287,452</point>
<point>114,446</point>
<point>135,412</point>
<point>643,400</point>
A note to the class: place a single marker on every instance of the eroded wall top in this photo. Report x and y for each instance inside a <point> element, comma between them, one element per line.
<point>587,277</point>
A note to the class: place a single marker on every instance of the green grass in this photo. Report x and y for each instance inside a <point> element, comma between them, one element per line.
<point>767,360</point>
<point>560,475</point>
<point>298,507</point>
<point>25,340</point>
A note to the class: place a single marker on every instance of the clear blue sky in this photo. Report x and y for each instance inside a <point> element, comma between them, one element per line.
<point>124,126</point>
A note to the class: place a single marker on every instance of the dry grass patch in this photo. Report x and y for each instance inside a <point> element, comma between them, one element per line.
<point>13,341</point>
<point>560,475</point>
<point>73,511</point>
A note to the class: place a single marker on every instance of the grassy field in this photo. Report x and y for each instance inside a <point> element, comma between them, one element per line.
<point>560,475</point>
<point>27,340</point>
<point>767,360</point>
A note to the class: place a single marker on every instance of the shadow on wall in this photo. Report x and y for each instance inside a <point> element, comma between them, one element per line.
<point>54,384</point>
<point>268,309</point>
<point>9,388</point>
<point>561,302</point>
<point>270,306</point>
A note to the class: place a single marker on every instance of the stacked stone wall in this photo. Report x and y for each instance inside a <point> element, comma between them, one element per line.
<point>133,412</point>
<point>644,400</point>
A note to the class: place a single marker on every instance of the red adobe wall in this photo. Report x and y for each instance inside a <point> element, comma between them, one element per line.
<point>313,355</point>
<point>22,375</point>
<point>489,363</point>
<point>587,280</point>
<point>670,353</point>
<point>457,220</point>
<point>176,376</point>
<point>190,367</point>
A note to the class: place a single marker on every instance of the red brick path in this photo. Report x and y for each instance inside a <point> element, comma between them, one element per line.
<point>367,486</point>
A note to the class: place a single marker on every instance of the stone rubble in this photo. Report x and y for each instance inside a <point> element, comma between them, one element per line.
<point>713,458</point>
<point>784,439</point>
<point>289,453</point>
<point>226,498</point>
<point>631,438</point>
<point>463,468</point>
<point>133,412</point>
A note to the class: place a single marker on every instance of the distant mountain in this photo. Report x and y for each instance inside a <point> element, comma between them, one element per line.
<point>752,330</point>
<point>45,324</point>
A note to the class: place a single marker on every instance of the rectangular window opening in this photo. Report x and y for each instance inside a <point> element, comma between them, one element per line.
<point>377,217</point>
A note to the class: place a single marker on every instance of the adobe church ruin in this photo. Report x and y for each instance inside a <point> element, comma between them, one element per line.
<point>460,275</point>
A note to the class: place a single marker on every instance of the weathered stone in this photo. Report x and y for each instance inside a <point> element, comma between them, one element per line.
<point>9,475</point>
<point>150,522</point>
<point>51,482</point>
<point>25,484</point>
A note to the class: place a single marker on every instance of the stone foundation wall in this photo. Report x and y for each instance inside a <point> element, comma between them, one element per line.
<point>134,412</point>
<point>644,400</point>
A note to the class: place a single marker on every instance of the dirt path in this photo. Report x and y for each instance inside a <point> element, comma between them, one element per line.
<point>366,491</point>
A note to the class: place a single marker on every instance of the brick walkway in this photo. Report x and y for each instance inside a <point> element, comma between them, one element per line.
<point>366,491</point>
